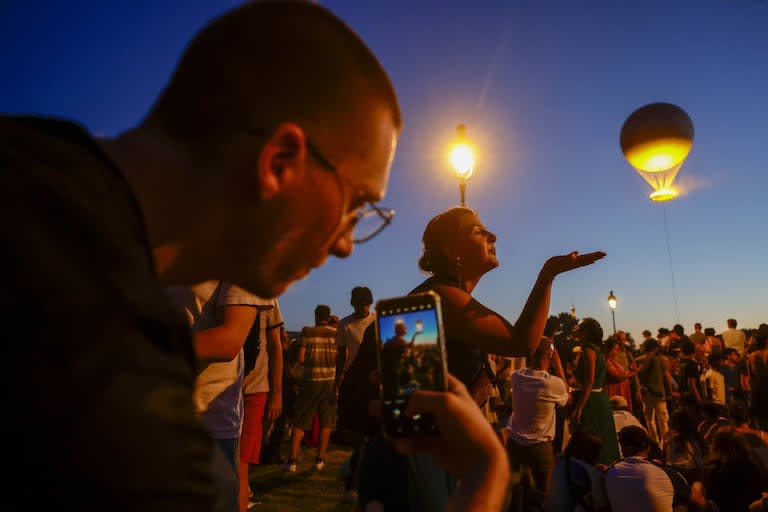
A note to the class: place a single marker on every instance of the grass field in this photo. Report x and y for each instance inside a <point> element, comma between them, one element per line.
<point>307,490</point>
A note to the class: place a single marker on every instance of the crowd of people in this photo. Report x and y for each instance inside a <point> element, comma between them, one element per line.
<point>676,424</point>
<point>148,350</point>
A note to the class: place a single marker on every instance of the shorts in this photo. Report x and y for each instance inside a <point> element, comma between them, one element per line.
<point>253,427</point>
<point>314,396</point>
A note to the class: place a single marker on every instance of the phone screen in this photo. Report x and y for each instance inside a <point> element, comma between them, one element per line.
<point>411,358</point>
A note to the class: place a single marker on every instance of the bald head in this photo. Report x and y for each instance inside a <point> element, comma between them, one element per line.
<point>266,63</point>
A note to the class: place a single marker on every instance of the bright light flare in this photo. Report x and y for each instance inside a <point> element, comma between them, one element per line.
<point>462,158</point>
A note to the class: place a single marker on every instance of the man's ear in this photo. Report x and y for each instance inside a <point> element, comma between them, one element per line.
<point>282,160</point>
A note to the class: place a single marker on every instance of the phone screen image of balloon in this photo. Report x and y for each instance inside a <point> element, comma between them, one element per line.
<point>411,358</point>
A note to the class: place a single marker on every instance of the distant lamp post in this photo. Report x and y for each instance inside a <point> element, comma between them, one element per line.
<point>573,311</point>
<point>612,304</point>
<point>462,158</point>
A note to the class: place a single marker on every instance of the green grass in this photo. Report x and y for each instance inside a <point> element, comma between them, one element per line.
<point>307,489</point>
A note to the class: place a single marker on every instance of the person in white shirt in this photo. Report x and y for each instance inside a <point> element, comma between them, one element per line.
<point>714,381</point>
<point>535,394</point>
<point>634,483</point>
<point>735,338</point>
<point>621,415</point>
<point>349,336</point>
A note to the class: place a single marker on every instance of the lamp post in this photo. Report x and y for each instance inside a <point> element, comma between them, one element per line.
<point>612,304</point>
<point>573,311</point>
<point>462,157</point>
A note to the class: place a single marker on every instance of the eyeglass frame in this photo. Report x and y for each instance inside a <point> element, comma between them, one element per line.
<point>366,210</point>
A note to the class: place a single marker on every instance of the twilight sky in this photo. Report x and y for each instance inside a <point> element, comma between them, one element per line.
<point>543,87</point>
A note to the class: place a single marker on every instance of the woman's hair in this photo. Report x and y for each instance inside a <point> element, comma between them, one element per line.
<point>584,445</point>
<point>439,232</point>
<point>608,344</point>
<point>727,444</point>
<point>684,425</point>
<point>738,414</point>
<point>591,331</point>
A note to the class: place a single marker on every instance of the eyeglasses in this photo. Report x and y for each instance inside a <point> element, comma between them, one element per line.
<point>370,219</point>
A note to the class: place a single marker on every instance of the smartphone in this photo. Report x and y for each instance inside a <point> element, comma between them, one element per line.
<point>411,356</point>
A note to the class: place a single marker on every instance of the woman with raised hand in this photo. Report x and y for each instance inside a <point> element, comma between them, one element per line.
<point>458,251</point>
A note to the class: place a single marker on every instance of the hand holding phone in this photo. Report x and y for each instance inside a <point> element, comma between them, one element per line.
<point>411,357</point>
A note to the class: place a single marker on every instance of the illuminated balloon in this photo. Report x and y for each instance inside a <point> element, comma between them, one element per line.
<point>655,140</point>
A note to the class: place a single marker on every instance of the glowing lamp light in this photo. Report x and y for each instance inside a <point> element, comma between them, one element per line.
<point>463,160</point>
<point>612,300</point>
<point>419,326</point>
<point>655,140</point>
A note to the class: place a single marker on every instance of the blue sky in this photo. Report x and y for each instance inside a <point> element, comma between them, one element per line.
<point>543,87</point>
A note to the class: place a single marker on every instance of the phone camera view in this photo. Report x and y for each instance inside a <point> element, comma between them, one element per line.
<point>411,357</point>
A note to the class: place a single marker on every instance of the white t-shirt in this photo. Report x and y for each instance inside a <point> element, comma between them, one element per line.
<point>735,338</point>
<point>350,333</point>
<point>269,318</point>
<point>715,385</point>
<point>535,394</point>
<point>636,485</point>
<point>218,397</point>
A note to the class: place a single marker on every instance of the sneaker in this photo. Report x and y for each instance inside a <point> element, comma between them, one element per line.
<point>350,496</point>
<point>290,466</point>
<point>319,464</point>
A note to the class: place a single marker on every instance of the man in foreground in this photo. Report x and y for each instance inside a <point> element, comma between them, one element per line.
<point>275,132</point>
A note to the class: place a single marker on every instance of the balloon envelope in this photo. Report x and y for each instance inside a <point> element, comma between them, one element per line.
<point>655,140</point>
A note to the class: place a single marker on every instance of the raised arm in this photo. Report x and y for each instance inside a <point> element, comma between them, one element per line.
<point>468,319</point>
<point>223,342</point>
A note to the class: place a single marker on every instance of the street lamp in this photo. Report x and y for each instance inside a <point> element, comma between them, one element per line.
<point>612,304</point>
<point>462,158</point>
<point>573,311</point>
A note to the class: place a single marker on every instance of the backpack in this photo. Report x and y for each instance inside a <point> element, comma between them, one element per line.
<point>252,345</point>
<point>357,390</point>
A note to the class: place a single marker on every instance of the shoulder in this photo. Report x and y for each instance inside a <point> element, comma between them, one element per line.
<point>233,295</point>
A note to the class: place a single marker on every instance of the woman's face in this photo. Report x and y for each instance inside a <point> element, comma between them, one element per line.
<point>475,245</point>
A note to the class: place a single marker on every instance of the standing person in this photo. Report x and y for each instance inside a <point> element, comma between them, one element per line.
<point>535,395</point>
<point>730,375</point>
<point>458,250</point>
<point>222,317</point>
<point>691,371</point>
<point>734,338</point>
<point>656,384</point>
<point>591,406</point>
<point>262,392</point>
<point>349,335</point>
<point>715,343</point>
<point>714,380</point>
<point>617,378</point>
<point>317,352</point>
<point>697,337</point>
<point>237,172</point>
<point>758,379</point>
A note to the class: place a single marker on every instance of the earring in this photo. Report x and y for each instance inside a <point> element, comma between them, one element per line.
<point>458,271</point>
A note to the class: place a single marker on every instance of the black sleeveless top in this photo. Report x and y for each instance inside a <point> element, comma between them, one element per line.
<point>464,361</point>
